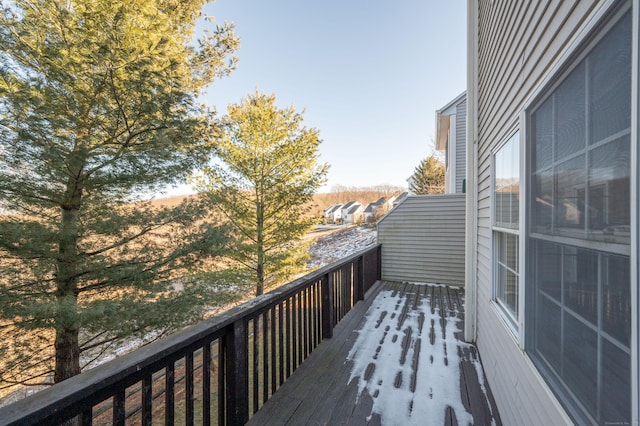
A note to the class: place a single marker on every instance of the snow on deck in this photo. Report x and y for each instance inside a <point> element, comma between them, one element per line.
<point>425,366</point>
<point>398,358</point>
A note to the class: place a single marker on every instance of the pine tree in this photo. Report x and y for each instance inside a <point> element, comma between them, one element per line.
<point>267,174</point>
<point>428,177</point>
<point>98,108</point>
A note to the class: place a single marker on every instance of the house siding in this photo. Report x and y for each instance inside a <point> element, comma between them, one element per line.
<point>461,146</point>
<point>518,43</point>
<point>423,240</point>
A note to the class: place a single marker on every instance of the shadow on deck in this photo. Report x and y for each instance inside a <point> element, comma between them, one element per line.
<point>397,358</point>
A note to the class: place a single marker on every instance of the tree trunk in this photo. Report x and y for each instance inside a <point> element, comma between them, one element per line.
<point>260,250</point>
<point>67,322</point>
<point>67,352</point>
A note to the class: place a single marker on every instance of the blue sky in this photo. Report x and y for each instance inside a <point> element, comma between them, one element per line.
<point>368,74</point>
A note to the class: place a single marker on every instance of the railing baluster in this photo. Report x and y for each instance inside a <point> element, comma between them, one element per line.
<point>314,322</point>
<point>336,296</point>
<point>237,374</point>
<point>347,289</point>
<point>188,371</point>
<point>360,278</point>
<point>222,375</point>
<point>87,417</point>
<point>300,327</point>
<point>343,283</point>
<point>273,350</point>
<point>379,262</point>
<point>294,333</point>
<point>281,358</point>
<point>265,357</point>
<point>169,393</point>
<point>206,384</point>
<point>310,319</point>
<point>305,321</point>
<point>118,407</point>
<point>256,365</point>
<point>289,340</point>
<point>327,306</point>
<point>350,289</point>
<point>146,399</point>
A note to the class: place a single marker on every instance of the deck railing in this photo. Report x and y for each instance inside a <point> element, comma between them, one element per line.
<point>218,371</point>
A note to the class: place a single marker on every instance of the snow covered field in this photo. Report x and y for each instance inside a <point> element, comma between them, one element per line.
<point>340,243</point>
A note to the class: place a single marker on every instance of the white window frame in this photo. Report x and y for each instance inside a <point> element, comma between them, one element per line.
<point>635,212</point>
<point>513,323</point>
<point>573,55</point>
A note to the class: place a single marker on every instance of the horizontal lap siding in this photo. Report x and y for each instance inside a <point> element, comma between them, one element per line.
<point>423,240</point>
<point>518,42</point>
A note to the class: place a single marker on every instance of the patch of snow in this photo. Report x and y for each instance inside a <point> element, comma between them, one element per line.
<point>425,284</point>
<point>340,244</point>
<point>437,380</point>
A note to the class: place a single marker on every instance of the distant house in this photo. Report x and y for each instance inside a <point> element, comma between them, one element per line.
<point>451,134</point>
<point>388,204</point>
<point>332,213</point>
<point>355,214</point>
<point>370,213</point>
<point>377,209</point>
<point>345,209</point>
<point>400,198</point>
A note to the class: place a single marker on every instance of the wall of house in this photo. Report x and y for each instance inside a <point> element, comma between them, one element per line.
<point>461,146</point>
<point>518,44</point>
<point>423,240</point>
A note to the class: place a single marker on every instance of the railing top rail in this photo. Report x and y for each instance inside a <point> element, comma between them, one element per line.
<point>283,292</point>
<point>93,384</point>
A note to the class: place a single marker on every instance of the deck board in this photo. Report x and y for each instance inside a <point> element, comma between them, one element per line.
<point>418,319</point>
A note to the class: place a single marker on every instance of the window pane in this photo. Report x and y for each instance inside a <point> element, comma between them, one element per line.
<point>543,202</point>
<point>548,273</point>
<point>616,297</point>
<point>569,206</point>
<point>543,135</point>
<point>499,198</point>
<point>580,274</point>
<point>506,272</point>
<point>616,374</point>
<point>507,184</point>
<point>609,191</point>
<point>579,359</point>
<point>510,296</point>
<point>514,182</point>
<point>609,83</point>
<point>569,135</point>
<point>548,337</point>
<point>580,323</point>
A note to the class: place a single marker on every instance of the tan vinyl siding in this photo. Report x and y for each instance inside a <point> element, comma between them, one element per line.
<point>461,151</point>
<point>423,240</point>
<point>518,43</point>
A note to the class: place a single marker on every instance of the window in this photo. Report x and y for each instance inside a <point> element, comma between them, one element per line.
<point>506,221</point>
<point>578,300</point>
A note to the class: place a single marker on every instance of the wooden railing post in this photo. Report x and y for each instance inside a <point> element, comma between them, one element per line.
<point>360,290</point>
<point>237,374</point>
<point>327,305</point>
<point>379,263</point>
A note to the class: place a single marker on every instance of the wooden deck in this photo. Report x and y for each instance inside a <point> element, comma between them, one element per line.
<point>396,358</point>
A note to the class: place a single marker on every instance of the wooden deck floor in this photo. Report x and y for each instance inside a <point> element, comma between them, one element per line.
<point>396,358</point>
